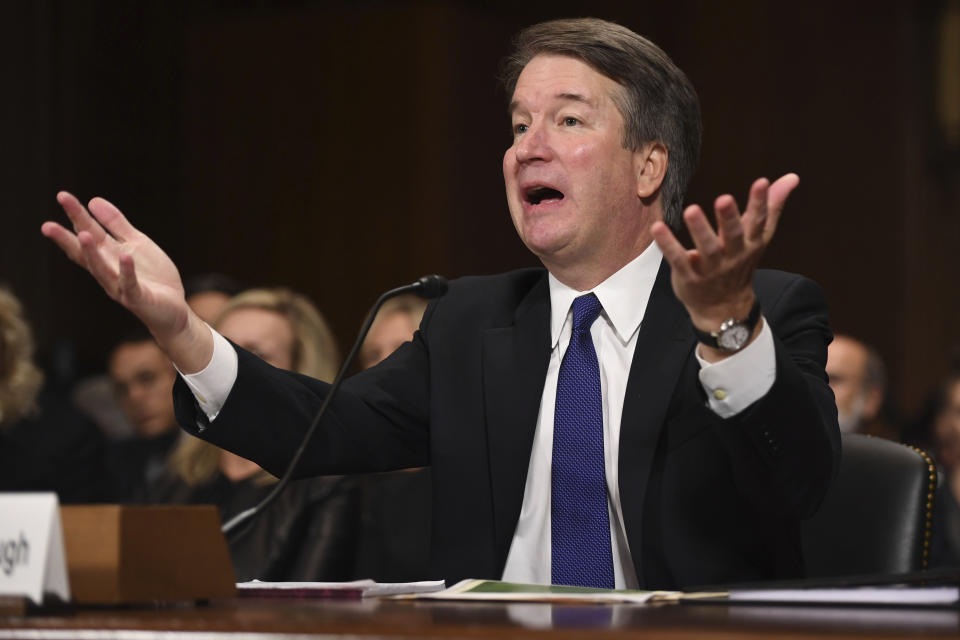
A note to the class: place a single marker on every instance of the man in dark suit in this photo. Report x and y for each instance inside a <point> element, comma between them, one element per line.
<point>626,417</point>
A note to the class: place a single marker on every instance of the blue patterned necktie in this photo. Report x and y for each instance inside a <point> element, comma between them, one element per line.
<point>579,523</point>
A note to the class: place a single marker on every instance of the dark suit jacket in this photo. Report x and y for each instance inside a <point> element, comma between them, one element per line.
<point>705,500</point>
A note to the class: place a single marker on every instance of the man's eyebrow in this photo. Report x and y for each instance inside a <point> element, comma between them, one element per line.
<point>563,96</point>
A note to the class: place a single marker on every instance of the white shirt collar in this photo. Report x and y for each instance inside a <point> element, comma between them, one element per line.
<point>624,295</point>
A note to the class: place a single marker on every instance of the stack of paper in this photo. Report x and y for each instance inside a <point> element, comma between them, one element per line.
<point>493,590</point>
<point>355,589</point>
<point>886,595</point>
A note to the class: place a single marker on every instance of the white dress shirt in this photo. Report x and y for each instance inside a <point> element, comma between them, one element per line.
<point>731,385</point>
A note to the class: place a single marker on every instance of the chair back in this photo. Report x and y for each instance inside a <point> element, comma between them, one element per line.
<point>877,516</point>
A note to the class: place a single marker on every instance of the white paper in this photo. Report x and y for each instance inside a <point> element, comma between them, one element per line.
<point>369,588</point>
<point>32,560</point>
<point>895,595</point>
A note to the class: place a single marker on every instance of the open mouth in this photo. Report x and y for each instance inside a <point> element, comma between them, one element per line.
<point>536,195</point>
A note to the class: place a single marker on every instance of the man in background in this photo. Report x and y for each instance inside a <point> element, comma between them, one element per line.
<point>208,293</point>
<point>143,378</point>
<point>858,379</point>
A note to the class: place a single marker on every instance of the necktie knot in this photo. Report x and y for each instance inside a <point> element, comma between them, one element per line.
<point>585,311</point>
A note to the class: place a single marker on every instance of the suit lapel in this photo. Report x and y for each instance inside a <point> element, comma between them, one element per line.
<point>515,360</point>
<point>663,346</point>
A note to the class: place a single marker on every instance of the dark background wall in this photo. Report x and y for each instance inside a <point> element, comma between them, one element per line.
<point>343,148</point>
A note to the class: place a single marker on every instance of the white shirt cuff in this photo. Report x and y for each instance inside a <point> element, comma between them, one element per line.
<point>212,384</point>
<point>734,383</point>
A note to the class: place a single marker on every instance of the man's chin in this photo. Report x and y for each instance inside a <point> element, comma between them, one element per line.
<point>546,246</point>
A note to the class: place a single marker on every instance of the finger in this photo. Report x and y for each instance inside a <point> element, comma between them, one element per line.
<point>128,286</point>
<point>64,239</point>
<point>777,197</point>
<point>706,241</point>
<point>755,215</point>
<point>97,265</point>
<point>729,225</point>
<point>110,217</point>
<point>673,251</point>
<point>79,217</point>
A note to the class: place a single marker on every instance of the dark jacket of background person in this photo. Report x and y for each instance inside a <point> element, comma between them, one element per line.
<point>309,533</point>
<point>54,448</point>
<point>943,427</point>
<point>134,464</point>
<point>705,500</point>
<point>45,445</point>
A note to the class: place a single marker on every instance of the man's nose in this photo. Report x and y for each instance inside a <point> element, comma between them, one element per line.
<point>534,145</point>
<point>137,392</point>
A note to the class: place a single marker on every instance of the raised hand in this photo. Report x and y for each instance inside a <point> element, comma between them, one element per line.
<point>714,279</point>
<point>135,272</point>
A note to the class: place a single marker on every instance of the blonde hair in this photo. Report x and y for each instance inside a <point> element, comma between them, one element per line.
<point>412,305</point>
<point>315,354</point>
<point>20,378</point>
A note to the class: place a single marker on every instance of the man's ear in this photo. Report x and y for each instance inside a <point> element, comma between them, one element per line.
<point>650,166</point>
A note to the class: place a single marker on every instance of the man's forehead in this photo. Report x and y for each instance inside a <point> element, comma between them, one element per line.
<point>559,96</point>
<point>848,357</point>
<point>560,78</point>
<point>138,348</point>
<point>134,356</point>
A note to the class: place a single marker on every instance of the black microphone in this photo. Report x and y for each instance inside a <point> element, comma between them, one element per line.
<point>432,286</point>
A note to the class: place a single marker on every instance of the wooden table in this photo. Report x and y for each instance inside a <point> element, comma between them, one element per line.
<point>256,618</point>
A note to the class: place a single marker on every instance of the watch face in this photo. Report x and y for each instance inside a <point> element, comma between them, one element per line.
<point>734,337</point>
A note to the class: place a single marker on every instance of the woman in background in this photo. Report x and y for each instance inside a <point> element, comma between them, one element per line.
<point>310,531</point>
<point>45,445</point>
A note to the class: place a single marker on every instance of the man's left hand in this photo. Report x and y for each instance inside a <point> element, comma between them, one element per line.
<point>714,280</point>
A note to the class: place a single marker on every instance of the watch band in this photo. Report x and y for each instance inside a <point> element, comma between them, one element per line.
<point>712,338</point>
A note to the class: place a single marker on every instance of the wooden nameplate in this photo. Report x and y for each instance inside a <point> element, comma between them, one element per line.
<point>128,555</point>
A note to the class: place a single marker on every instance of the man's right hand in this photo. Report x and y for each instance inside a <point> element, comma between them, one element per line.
<point>135,272</point>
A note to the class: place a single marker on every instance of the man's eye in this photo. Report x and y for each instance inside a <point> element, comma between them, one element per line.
<point>520,128</point>
<point>570,121</point>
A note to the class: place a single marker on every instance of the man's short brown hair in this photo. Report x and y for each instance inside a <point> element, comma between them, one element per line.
<point>658,102</point>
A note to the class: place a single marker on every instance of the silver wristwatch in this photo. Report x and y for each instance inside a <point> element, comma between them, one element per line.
<point>733,334</point>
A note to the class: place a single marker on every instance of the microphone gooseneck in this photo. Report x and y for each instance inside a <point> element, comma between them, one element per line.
<point>432,286</point>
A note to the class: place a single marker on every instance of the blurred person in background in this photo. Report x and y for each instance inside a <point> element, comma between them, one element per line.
<point>310,531</point>
<point>208,293</point>
<point>143,378</point>
<point>858,379</point>
<point>945,541</point>
<point>395,323</point>
<point>44,444</point>
<point>396,510</point>
<point>95,397</point>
